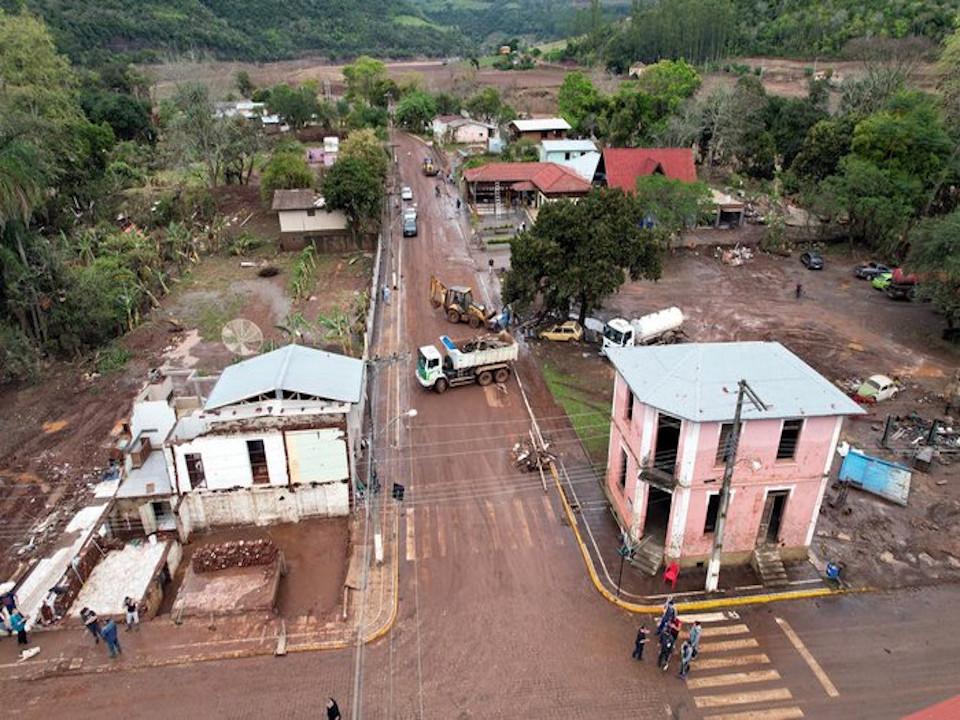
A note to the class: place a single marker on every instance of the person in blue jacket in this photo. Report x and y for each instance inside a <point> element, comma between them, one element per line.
<point>109,634</point>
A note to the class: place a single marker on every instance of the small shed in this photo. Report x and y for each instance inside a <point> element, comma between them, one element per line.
<point>305,218</point>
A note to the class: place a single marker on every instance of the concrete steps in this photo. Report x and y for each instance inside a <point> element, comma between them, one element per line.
<point>647,556</point>
<point>768,564</point>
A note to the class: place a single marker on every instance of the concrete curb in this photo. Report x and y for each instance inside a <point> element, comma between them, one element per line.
<point>691,606</point>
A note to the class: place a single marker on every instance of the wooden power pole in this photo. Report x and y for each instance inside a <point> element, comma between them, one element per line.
<point>713,569</point>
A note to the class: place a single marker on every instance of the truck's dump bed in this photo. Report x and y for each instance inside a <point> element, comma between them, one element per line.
<point>483,350</point>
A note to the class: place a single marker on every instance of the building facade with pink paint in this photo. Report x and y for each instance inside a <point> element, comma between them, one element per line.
<point>672,418</point>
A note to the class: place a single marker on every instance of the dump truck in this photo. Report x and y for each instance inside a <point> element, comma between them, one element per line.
<point>429,167</point>
<point>902,285</point>
<point>659,327</point>
<point>458,305</point>
<point>483,360</point>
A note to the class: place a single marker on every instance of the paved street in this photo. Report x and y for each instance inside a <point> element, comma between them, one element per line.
<point>498,617</point>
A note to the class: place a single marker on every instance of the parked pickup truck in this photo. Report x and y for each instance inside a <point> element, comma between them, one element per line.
<point>481,360</point>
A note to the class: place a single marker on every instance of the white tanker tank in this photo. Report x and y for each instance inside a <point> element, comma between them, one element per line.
<point>661,326</point>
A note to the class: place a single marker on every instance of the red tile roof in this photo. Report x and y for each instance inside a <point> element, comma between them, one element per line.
<point>548,178</point>
<point>624,165</point>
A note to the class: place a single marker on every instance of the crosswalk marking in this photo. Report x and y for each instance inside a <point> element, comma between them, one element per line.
<point>737,678</point>
<point>441,537</point>
<point>735,661</point>
<point>726,630</point>
<point>755,696</point>
<point>780,713</point>
<point>425,533</point>
<point>710,617</point>
<point>729,645</point>
<point>524,528</point>
<point>411,553</point>
<point>494,530</point>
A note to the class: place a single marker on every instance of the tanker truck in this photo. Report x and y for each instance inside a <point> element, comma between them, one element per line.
<point>662,326</point>
<point>482,360</point>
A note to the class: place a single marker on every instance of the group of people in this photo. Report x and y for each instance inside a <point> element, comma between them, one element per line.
<point>108,631</point>
<point>668,632</point>
<point>11,619</point>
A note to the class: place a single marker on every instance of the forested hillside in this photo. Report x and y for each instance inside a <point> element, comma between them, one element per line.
<point>263,30</point>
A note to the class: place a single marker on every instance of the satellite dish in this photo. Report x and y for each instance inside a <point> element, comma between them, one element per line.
<point>242,337</point>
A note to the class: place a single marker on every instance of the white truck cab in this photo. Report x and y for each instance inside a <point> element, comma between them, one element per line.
<point>617,333</point>
<point>429,365</point>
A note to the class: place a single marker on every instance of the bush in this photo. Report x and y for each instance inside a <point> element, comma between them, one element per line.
<point>285,171</point>
<point>19,358</point>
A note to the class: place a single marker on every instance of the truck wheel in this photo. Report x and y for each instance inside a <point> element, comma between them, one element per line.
<point>501,375</point>
<point>453,316</point>
<point>441,386</point>
<point>485,378</point>
<point>475,322</point>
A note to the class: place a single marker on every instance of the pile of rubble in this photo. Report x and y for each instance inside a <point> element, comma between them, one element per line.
<point>240,553</point>
<point>528,457</point>
<point>734,256</point>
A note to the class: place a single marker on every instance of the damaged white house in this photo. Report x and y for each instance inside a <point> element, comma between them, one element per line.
<point>274,441</point>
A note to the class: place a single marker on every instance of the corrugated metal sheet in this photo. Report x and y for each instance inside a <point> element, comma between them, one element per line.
<point>880,477</point>
<point>317,455</point>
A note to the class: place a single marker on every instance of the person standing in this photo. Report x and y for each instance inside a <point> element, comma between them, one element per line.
<point>669,612</point>
<point>333,710</point>
<point>695,633</point>
<point>639,643</point>
<point>676,625</point>
<point>666,650</point>
<point>19,624</point>
<point>91,622</point>
<point>109,633</point>
<point>686,655</point>
<point>133,615</point>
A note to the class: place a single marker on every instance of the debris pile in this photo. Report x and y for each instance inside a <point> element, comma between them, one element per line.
<point>240,553</point>
<point>735,256</point>
<point>528,457</point>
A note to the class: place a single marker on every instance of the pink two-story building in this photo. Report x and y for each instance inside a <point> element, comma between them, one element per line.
<point>672,417</point>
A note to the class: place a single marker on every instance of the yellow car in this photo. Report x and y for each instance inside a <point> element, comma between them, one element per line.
<point>563,332</point>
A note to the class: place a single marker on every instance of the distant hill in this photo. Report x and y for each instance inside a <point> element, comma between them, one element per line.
<point>90,30</point>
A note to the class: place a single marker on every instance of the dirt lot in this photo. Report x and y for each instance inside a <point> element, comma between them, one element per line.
<point>54,435</point>
<point>316,554</point>
<point>844,329</point>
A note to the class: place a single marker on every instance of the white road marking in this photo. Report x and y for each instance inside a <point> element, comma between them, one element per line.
<point>734,661</point>
<point>441,534</point>
<point>721,630</point>
<point>811,661</point>
<point>425,533</point>
<point>411,542</point>
<point>737,678</point>
<point>729,645</point>
<point>755,696</point>
<point>524,528</point>
<point>494,530</point>
<point>710,617</point>
<point>780,713</point>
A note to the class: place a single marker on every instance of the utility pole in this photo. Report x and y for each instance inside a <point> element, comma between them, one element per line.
<point>713,569</point>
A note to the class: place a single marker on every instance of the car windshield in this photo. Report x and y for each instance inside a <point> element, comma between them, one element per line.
<point>873,385</point>
<point>613,335</point>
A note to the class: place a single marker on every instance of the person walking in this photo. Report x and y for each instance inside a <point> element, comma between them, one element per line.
<point>639,643</point>
<point>799,291</point>
<point>19,625</point>
<point>669,612</point>
<point>91,622</point>
<point>676,625</point>
<point>686,655</point>
<point>333,710</point>
<point>666,650</point>
<point>133,615</point>
<point>109,633</point>
<point>695,633</point>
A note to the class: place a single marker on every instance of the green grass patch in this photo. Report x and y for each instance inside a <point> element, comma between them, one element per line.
<point>414,21</point>
<point>209,316</point>
<point>590,418</point>
<point>111,358</point>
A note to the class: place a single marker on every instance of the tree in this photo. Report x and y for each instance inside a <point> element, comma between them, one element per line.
<point>670,82</point>
<point>579,102</point>
<point>935,254</point>
<point>245,85</point>
<point>199,134</point>
<point>949,78</point>
<point>487,105</point>
<point>354,186</point>
<point>581,251</point>
<point>362,115</point>
<point>364,145</point>
<point>825,144</point>
<point>287,170</point>
<point>367,80</point>
<point>128,116</point>
<point>671,205</point>
<point>416,110</point>
<point>295,106</point>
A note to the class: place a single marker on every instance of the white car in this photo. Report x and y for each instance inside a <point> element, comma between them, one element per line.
<point>877,388</point>
<point>406,193</point>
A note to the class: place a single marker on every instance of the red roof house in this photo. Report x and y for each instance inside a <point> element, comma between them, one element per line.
<point>548,179</point>
<point>623,166</point>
